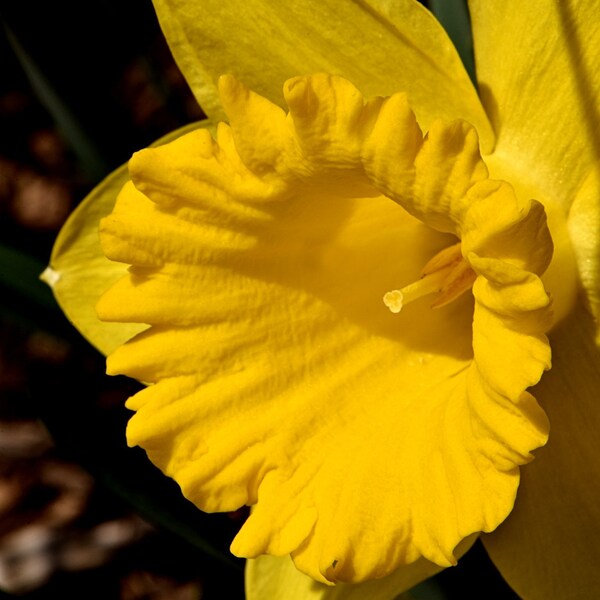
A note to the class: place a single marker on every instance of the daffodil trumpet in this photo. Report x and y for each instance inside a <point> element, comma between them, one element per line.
<point>277,221</point>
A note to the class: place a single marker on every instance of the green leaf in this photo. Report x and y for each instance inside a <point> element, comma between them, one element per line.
<point>89,156</point>
<point>19,275</point>
<point>454,17</point>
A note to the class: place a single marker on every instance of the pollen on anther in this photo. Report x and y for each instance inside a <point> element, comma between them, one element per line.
<point>447,274</point>
<point>394,300</point>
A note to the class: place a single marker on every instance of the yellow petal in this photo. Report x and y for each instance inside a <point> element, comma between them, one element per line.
<point>539,81</point>
<point>79,273</point>
<point>364,440</point>
<point>584,229</point>
<point>537,67</point>
<point>276,578</point>
<point>548,548</point>
<point>381,46</point>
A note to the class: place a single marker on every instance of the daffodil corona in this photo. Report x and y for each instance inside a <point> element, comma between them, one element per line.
<point>363,440</point>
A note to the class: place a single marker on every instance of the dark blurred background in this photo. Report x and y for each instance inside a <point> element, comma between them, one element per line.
<point>82,86</point>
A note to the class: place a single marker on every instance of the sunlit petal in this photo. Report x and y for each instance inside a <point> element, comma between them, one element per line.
<point>537,68</point>
<point>79,273</point>
<point>377,44</point>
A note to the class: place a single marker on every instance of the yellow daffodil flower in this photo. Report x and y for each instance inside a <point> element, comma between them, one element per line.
<point>341,297</point>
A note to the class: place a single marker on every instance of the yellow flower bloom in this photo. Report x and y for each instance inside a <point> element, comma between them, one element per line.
<point>280,379</point>
<point>367,440</point>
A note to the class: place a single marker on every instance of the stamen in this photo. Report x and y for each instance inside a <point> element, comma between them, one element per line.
<point>448,274</point>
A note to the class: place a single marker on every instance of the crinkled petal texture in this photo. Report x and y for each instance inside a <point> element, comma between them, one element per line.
<point>364,440</point>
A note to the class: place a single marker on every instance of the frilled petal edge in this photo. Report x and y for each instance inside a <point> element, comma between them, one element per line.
<point>374,43</point>
<point>277,578</point>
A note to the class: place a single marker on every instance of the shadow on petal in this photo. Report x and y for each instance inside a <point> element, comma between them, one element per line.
<point>549,546</point>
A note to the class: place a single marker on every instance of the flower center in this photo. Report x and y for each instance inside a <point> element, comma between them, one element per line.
<point>447,274</point>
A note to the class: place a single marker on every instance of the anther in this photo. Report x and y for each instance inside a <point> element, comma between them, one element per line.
<point>447,274</point>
